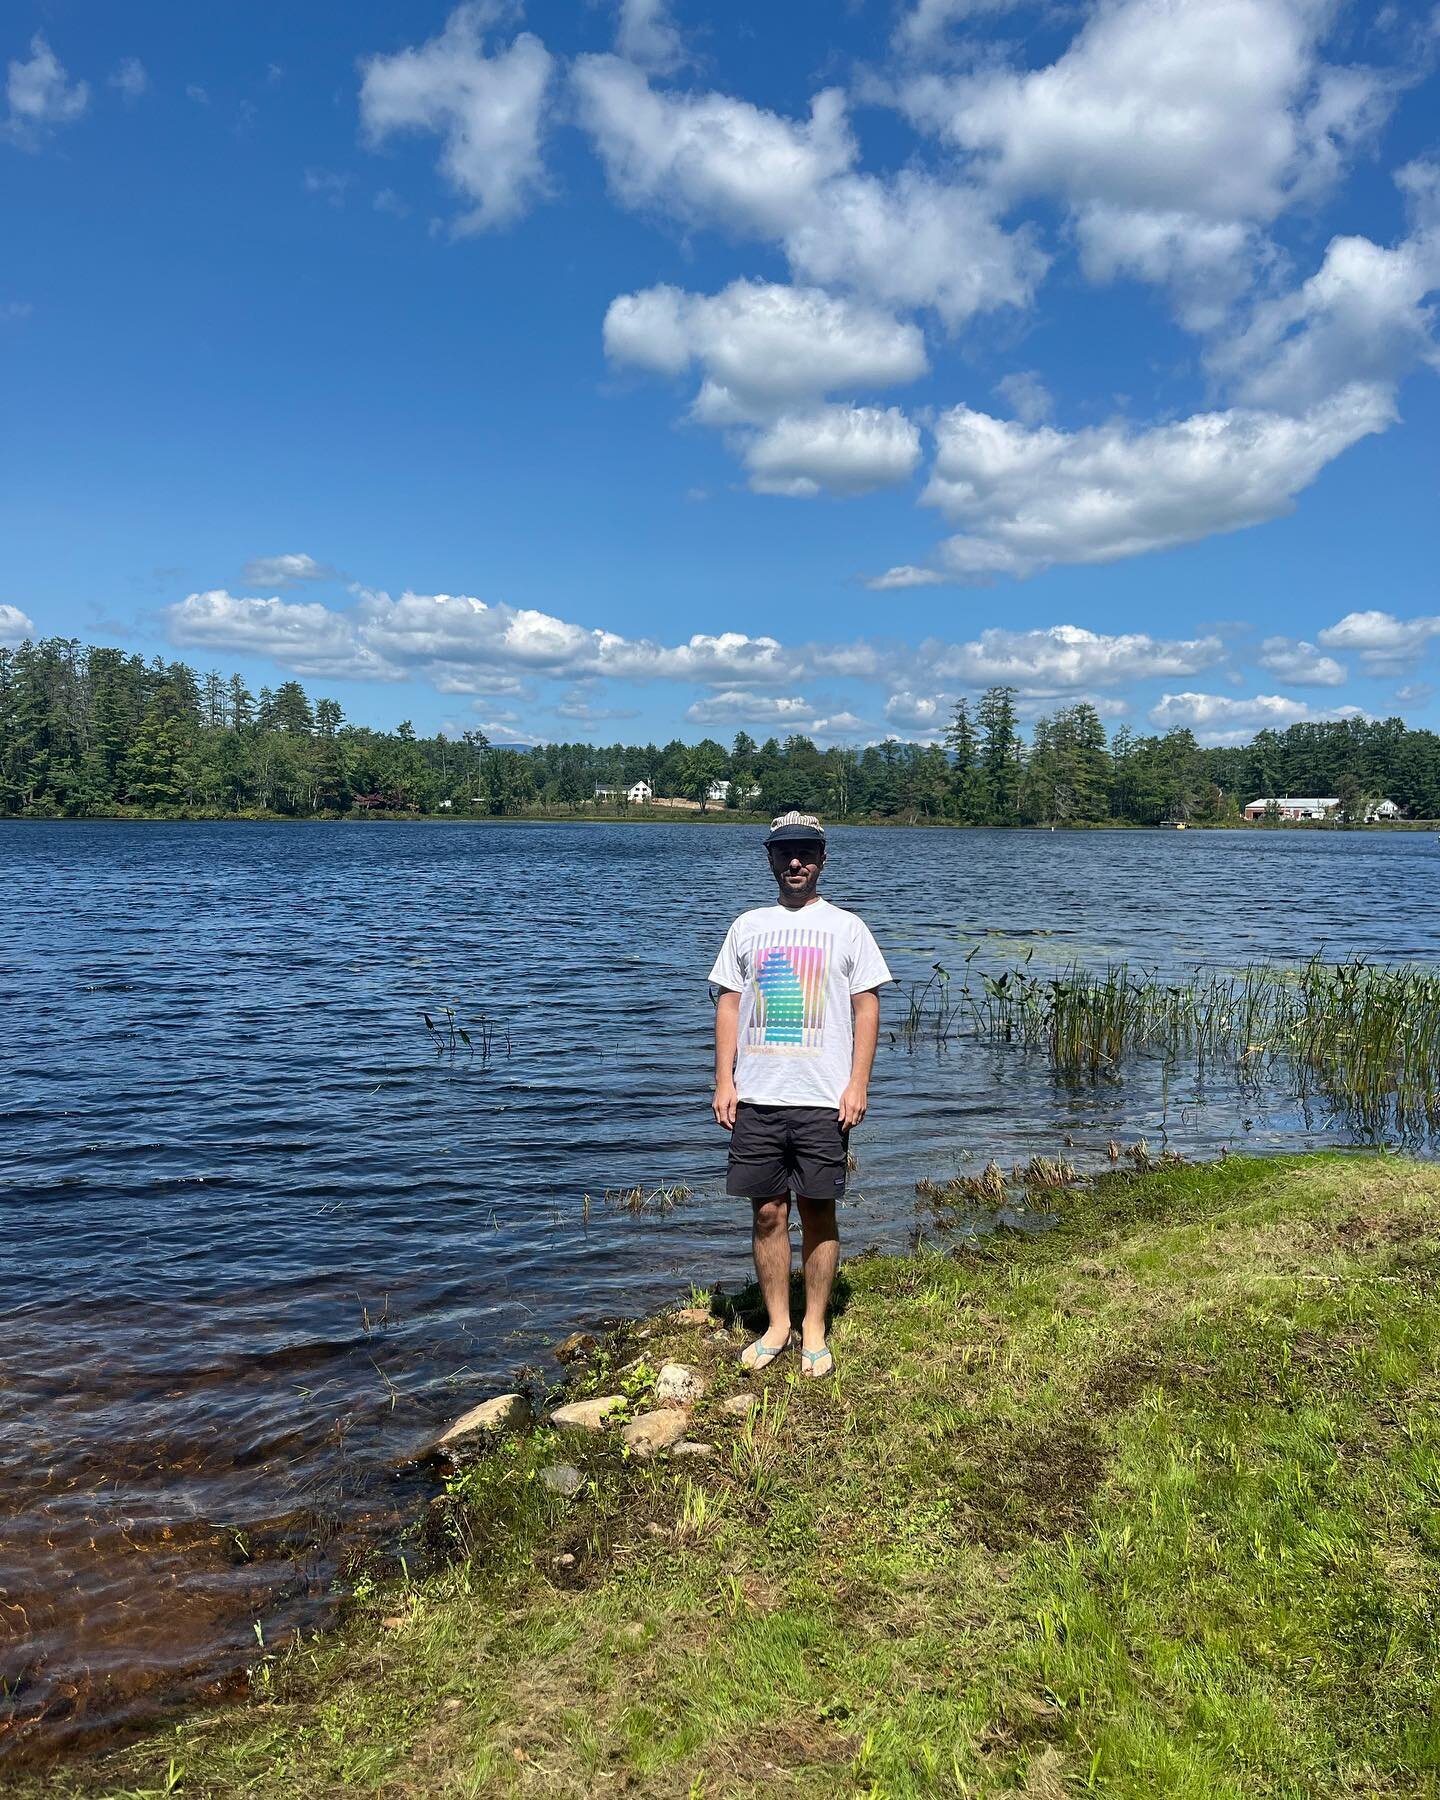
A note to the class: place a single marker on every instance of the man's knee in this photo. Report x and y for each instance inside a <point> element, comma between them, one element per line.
<point>772,1216</point>
<point>817,1218</point>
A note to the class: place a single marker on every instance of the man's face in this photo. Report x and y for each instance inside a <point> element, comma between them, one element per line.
<point>796,868</point>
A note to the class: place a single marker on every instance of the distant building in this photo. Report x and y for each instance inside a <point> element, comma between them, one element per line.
<point>1294,807</point>
<point>639,793</point>
<point>717,793</point>
<point>447,806</point>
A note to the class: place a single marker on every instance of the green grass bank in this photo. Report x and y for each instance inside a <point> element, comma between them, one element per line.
<point>1147,1505</point>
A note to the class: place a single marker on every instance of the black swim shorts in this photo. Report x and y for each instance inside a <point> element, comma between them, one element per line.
<point>778,1150</point>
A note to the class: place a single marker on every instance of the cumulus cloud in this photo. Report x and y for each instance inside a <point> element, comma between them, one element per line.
<point>1033,496</point>
<point>129,78</point>
<point>906,575</point>
<point>736,706</point>
<point>1065,657</point>
<point>40,95</point>
<point>833,449</point>
<point>1174,131</point>
<point>1363,316</point>
<point>711,159</point>
<point>919,712</point>
<point>1415,693</point>
<point>489,110</point>
<point>15,626</point>
<point>762,345</point>
<point>283,571</point>
<point>930,19</point>
<point>646,35</point>
<point>305,637</point>
<point>1385,645</point>
<point>1223,719</point>
<point>1027,396</point>
<point>1292,659</point>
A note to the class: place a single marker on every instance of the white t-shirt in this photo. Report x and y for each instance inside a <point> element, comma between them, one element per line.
<point>795,971</point>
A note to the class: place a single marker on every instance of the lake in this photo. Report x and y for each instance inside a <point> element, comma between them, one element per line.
<point>260,1239</point>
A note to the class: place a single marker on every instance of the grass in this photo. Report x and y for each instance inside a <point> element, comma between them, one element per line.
<point>1147,1505</point>
<point>1362,1038</point>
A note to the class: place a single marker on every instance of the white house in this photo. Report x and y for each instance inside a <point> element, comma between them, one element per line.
<point>1310,807</point>
<point>640,793</point>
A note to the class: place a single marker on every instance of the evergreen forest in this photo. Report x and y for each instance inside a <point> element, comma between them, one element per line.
<point>94,732</point>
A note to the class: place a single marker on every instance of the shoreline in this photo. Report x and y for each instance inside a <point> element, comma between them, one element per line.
<point>753,821</point>
<point>1001,1417</point>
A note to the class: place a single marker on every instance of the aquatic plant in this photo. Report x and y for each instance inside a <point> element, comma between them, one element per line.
<point>1358,1036</point>
<point>662,1199</point>
<point>449,1035</point>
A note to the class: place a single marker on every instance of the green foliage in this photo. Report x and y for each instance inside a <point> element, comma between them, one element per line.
<point>90,731</point>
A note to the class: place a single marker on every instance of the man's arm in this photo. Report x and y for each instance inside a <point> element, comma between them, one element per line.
<point>866,1007</point>
<point>727,1034</point>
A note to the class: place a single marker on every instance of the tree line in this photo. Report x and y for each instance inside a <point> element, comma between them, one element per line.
<point>88,731</point>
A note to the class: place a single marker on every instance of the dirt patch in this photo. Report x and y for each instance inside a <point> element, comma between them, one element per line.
<point>1021,1485</point>
<point>1373,1230</point>
<point>769,1750</point>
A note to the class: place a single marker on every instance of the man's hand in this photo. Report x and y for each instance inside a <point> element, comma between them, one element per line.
<point>853,1103</point>
<point>724,1103</point>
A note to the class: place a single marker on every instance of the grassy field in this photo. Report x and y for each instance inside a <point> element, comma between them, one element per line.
<point>1147,1505</point>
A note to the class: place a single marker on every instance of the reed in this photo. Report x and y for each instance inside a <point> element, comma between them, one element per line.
<point>1358,1036</point>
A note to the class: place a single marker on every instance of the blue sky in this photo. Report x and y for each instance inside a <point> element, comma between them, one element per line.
<point>644,370</point>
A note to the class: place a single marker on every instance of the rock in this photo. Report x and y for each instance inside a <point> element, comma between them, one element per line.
<point>562,1478</point>
<point>694,1315</point>
<point>396,1622</point>
<point>738,1405</point>
<point>676,1385</point>
<point>578,1344</point>
<point>506,1412</point>
<point>719,1336</point>
<point>654,1431</point>
<point>587,1415</point>
<point>563,1561</point>
<point>686,1448</point>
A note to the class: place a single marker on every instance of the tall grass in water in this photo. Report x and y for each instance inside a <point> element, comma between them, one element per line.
<point>1362,1037</point>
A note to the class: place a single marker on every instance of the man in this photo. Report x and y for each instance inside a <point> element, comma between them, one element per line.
<point>795,1031</point>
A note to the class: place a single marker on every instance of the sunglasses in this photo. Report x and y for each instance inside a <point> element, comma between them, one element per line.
<point>805,853</point>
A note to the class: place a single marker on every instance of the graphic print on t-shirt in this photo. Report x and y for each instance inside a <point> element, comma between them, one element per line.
<point>789,1009</point>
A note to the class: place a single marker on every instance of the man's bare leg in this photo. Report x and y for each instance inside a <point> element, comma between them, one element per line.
<point>771,1241</point>
<point>820,1251</point>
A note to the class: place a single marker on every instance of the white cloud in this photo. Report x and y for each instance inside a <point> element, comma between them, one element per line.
<point>1220,719</point>
<point>919,712</point>
<point>1030,497</point>
<point>930,19</point>
<point>906,575</point>
<point>1363,316</point>
<point>388,201</point>
<point>40,95</point>
<point>15,626</point>
<point>302,636</point>
<point>1027,396</point>
<point>833,449</point>
<point>1385,645</point>
<point>1292,659</point>
<point>129,78</point>
<point>911,240</point>
<point>762,345</point>
<point>1415,693</point>
<point>735,706</point>
<point>281,571</point>
<point>490,111</point>
<point>198,94</point>
<point>710,159</point>
<point>1064,657</point>
<point>327,185</point>
<point>646,35</point>
<point>1174,130</point>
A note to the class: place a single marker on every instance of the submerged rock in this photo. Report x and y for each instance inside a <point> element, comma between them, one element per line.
<point>655,1431</point>
<point>506,1412</point>
<point>578,1344</point>
<point>588,1415</point>
<point>677,1385</point>
<point>563,1479</point>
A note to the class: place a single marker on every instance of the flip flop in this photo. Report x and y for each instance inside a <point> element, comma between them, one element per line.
<point>808,1360</point>
<point>759,1355</point>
